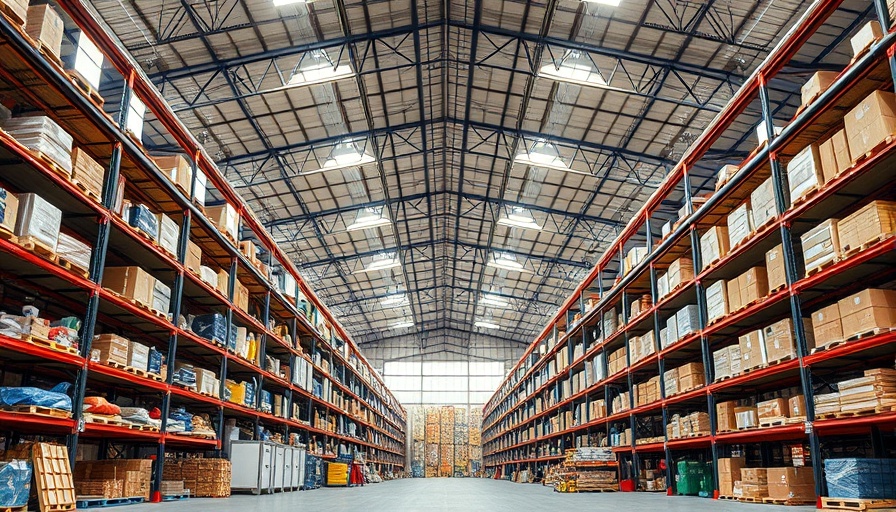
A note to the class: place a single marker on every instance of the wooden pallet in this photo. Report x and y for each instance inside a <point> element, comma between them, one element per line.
<point>142,428</point>
<point>856,503</point>
<point>196,435</point>
<point>749,499</point>
<point>875,149</point>
<point>850,251</point>
<point>36,410</point>
<point>53,476</point>
<point>821,266</point>
<point>52,164</point>
<point>773,422</point>
<point>33,245</point>
<point>136,371</point>
<point>6,234</point>
<point>23,508</point>
<point>85,87</point>
<point>596,489</point>
<point>176,497</point>
<point>781,359</point>
<point>50,344</point>
<point>103,420</point>
<point>788,502</point>
<point>864,412</point>
<point>753,369</point>
<point>869,333</point>
<point>796,419</point>
<point>829,345</point>
<point>206,393</point>
<point>728,498</point>
<point>74,268</point>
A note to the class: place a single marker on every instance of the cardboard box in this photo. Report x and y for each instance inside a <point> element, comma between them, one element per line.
<point>19,7</point>
<point>746,417</point>
<point>817,84</point>
<point>804,172</point>
<point>721,363</point>
<point>45,25</point>
<point>725,174</point>
<point>732,289</point>
<point>771,409</point>
<point>249,250</point>
<point>775,268</point>
<point>796,407</point>
<point>729,472</point>
<point>873,221</point>
<point>834,154</point>
<point>138,356</point>
<point>791,483</point>
<point>169,234</point>
<point>680,271</point>
<point>752,285</point>
<point>780,343</point>
<point>9,209</point>
<point>112,348</point>
<point>87,61</point>
<point>131,282</point>
<point>865,37</point>
<point>178,169</point>
<point>716,301</point>
<point>870,122</point>
<point>38,219</point>
<point>241,296</point>
<point>634,256</point>
<point>87,172</point>
<point>690,381</point>
<point>821,245</point>
<point>226,219</point>
<point>136,112</point>
<point>826,325</point>
<point>193,261</point>
<point>867,310</point>
<point>223,282</point>
<point>726,420</point>
<point>762,132</point>
<point>74,251</point>
<point>714,244</point>
<point>762,203</point>
<point>740,224</point>
<point>752,350</point>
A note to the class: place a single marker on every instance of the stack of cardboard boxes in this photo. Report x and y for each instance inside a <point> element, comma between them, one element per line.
<point>729,472</point>
<point>137,284</point>
<point>684,378</point>
<point>868,311</point>
<point>617,361</point>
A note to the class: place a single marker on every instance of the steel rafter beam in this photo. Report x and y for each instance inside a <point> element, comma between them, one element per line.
<point>341,210</point>
<point>332,259</point>
<point>644,59</point>
<point>513,300</point>
<point>463,334</point>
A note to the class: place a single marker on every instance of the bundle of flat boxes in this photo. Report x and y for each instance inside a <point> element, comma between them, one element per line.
<point>726,362</point>
<point>734,415</point>
<point>690,425</point>
<point>647,392</point>
<point>37,221</point>
<point>680,272</point>
<point>634,256</point>
<point>769,345</point>
<point>621,402</point>
<point>867,312</point>
<point>874,391</point>
<point>617,361</point>
<point>42,135</point>
<point>683,323</point>
<point>684,378</point>
<point>714,245</point>
<point>746,289</point>
<point>740,224</point>
<point>44,25</point>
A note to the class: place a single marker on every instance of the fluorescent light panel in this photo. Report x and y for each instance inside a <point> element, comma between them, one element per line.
<point>281,3</point>
<point>486,325</point>
<point>368,218</point>
<point>611,3</point>
<point>493,300</point>
<point>542,154</point>
<point>395,299</point>
<point>506,262</point>
<point>380,264</point>
<point>574,67</point>
<point>401,325</point>
<point>519,218</point>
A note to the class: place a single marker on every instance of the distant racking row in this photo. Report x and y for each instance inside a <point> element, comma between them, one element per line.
<point>747,318</point>
<point>160,260</point>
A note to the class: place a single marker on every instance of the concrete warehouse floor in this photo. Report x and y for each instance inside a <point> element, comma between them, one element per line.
<point>461,494</point>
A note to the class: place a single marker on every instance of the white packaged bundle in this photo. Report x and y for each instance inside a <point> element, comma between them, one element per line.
<point>38,219</point>
<point>42,134</point>
<point>73,250</point>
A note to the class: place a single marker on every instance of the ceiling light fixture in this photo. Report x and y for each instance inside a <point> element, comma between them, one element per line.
<point>506,261</point>
<point>493,300</point>
<point>486,325</point>
<point>575,67</point>
<point>542,154</point>
<point>611,3</point>
<point>394,300</point>
<point>368,218</point>
<point>519,217</point>
<point>401,325</point>
<point>316,67</point>
<point>381,262</point>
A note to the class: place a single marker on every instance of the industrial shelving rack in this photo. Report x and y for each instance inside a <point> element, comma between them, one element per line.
<point>511,414</point>
<point>35,82</point>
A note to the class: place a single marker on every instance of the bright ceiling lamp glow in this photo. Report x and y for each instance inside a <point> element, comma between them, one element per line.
<point>611,3</point>
<point>574,67</point>
<point>380,262</point>
<point>393,300</point>
<point>346,154</point>
<point>280,3</point>
<point>519,217</point>
<point>506,261</point>
<point>368,218</point>
<point>486,325</point>
<point>493,300</point>
<point>316,67</point>
<point>401,325</point>
<point>542,154</point>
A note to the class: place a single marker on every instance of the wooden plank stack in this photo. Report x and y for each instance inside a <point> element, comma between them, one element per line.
<point>206,478</point>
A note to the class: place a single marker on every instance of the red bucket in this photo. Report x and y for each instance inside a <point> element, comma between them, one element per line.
<point>627,486</point>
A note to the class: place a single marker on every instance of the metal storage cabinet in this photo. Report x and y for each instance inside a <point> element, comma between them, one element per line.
<point>279,467</point>
<point>253,466</point>
<point>298,468</point>
<point>285,479</point>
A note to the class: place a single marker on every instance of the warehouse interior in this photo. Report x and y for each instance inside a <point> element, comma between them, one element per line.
<point>444,254</point>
